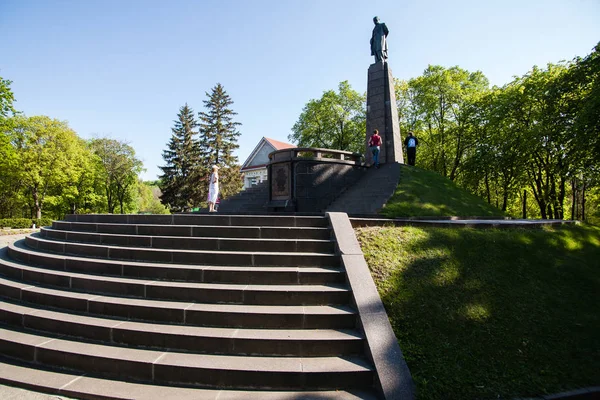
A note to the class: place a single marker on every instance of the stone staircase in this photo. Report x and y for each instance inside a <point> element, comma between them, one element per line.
<point>182,306</point>
<point>252,200</point>
<point>370,193</point>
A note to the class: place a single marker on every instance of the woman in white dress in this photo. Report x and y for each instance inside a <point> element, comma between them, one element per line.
<point>213,188</point>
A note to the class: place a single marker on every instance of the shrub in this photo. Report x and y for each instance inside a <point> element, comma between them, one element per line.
<point>21,223</point>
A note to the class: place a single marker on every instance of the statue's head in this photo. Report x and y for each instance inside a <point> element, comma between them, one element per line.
<point>375,20</point>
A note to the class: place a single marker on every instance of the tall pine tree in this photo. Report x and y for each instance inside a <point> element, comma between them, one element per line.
<point>218,140</point>
<point>179,182</point>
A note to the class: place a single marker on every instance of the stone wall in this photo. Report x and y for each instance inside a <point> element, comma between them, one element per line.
<point>318,183</point>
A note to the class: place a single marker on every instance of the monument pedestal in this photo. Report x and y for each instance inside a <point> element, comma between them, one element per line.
<point>382,114</point>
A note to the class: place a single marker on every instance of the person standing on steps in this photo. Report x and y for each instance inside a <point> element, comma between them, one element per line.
<point>375,147</point>
<point>213,188</point>
<point>411,143</point>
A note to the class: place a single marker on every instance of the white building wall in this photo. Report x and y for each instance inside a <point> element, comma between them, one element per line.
<point>254,177</point>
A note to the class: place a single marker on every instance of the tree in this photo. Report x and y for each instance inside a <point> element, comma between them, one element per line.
<point>10,178</point>
<point>6,99</point>
<point>439,105</point>
<point>335,121</point>
<point>179,181</point>
<point>119,169</point>
<point>47,151</point>
<point>149,198</point>
<point>218,139</point>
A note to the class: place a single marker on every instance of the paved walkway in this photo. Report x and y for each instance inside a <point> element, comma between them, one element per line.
<point>12,393</point>
<point>5,240</point>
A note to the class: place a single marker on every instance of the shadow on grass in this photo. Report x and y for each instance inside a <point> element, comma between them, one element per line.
<point>484,314</point>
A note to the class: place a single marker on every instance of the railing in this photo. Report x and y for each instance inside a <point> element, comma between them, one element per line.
<point>312,153</point>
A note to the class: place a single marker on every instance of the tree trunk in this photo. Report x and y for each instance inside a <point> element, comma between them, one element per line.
<point>583,202</point>
<point>524,204</point>
<point>487,188</point>
<point>574,199</point>
<point>37,207</point>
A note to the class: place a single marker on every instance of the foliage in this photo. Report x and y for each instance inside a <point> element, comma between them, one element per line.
<point>6,99</point>
<point>335,121</point>
<point>531,147</point>
<point>149,198</point>
<point>48,154</point>
<point>440,106</point>
<point>218,139</point>
<point>118,170</point>
<point>522,321</point>
<point>21,223</point>
<point>179,181</point>
<point>425,193</point>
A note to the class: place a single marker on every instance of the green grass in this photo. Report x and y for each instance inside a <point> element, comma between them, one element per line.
<point>423,193</point>
<point>487,314</point>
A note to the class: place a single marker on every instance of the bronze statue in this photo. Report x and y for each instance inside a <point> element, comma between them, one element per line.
<point>379,46</point>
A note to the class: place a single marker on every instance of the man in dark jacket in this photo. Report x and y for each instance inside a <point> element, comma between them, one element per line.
<point>411,143</point>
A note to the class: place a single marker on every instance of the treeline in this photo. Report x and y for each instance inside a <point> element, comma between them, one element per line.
<point>47,170</point>
<point>196,145</point>
<point>530,147</point>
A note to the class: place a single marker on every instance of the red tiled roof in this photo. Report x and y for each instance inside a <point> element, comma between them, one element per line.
<point>279,145</point>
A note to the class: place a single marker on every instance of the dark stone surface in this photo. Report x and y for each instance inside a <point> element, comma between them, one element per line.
<point>393,376</point>
<point>318,184</point>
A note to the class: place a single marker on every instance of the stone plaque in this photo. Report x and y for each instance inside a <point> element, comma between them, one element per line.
<point>281,181</point>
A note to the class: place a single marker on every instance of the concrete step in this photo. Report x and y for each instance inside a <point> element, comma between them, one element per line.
<point>262,232</point>
<point>204,219</point>
<point>177,272</point>
<point>371,192</point>
<point>270,342</point>
<point>290,294</point>
<point>197,257</point>
<point>87,387</point>
<point>191,243</point>
<point>189,313</point>
<point>204,370</point>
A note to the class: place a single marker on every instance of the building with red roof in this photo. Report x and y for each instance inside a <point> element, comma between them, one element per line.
<point>254,168</point>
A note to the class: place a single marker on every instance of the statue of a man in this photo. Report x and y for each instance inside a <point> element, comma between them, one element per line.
<point>379,46</point>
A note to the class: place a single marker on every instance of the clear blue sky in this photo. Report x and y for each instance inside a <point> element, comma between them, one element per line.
<point>124,68</point>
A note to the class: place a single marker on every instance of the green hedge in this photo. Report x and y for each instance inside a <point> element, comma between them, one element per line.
<point>20,223</point>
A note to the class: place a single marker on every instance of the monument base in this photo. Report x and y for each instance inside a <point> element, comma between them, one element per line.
<point>382,114</point>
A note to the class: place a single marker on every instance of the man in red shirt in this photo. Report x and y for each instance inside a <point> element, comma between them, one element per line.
<point>375,147</point>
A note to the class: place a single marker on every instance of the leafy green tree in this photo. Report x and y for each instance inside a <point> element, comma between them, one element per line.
<point>335,121</point>
<point>218,139</point>
<point>149,198</point>
<point>6,99</point>
<point>10,178</point>
<point>179,181</point>
<point>440,104</point>
<point>119,169</point>
<point>47,152</point>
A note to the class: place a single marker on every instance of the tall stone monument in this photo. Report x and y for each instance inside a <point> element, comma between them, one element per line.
<point>382,113</point>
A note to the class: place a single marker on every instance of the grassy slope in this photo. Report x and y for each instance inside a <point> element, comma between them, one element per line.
<point>426,193</point>
<point>484,314</point>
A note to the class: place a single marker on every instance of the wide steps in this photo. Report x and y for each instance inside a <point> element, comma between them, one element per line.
<point>191,243</point>
<point>180,291</point>
<point>259,232</point>
<point>208,370</point>
<point>204,220</point>
<point>178,256</point>
<point>177,272</point>
<point>197,339</point>
<point>197,306</point>
<point>92,388</point>
<point>190,313</point>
